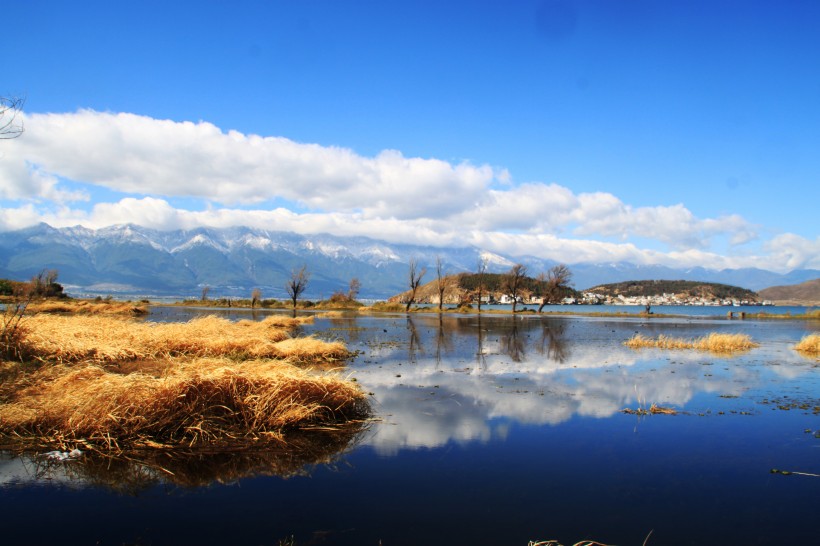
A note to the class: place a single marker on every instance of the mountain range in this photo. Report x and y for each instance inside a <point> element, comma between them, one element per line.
<point>129,260</point>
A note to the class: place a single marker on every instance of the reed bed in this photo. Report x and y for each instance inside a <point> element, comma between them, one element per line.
<point>809,345</point>
<point>198,402</point>
<point>714,342</point>
<point>109,339</point>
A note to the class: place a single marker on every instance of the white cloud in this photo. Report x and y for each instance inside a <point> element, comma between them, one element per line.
<point>793,251</point>
<point>144,163</point>
<point>140,155</point>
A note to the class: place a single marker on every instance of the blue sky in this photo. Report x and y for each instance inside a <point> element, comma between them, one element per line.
<point>681,133</point>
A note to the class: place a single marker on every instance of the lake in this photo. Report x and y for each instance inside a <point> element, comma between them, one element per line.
<point>488,430</point>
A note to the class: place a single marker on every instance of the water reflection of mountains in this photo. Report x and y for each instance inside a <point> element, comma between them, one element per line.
<point>135,471</point>
<point>437,379</point>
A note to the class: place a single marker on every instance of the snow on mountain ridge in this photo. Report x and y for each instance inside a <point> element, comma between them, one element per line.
<point>257,242</point>
<point>495,259</point>
<point>199,240</point>
<point>115,255</point>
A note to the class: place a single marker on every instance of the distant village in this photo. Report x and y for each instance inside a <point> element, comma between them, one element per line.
<point>592,298</point>
<point>499,289</point>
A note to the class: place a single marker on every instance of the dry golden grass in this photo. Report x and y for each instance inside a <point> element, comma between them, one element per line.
<point>725,343</point>
<point>109,339</point>
<point>654,409</point>
<point>334,314</point>
<point>109,382</point>
<point>88,307</point>
<point>809,345</point>
<point>714,342</point>
<point>308,350</point>
<point>203,401</point>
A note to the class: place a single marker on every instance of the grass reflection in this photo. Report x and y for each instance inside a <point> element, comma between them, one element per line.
<point>297,455</point>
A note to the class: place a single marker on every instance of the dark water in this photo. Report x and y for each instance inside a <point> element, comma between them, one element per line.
<point>496,430</point>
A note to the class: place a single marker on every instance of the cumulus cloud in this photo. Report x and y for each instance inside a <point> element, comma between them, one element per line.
<point>794,251</point>
<point>146,164</point>
<point>140,155</point>
<point>555,209</point>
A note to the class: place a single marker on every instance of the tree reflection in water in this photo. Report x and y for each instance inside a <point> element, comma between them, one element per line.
<point>481,357</point>
<point>511,343</point>
<point>444,341</point>
<point>414,341</point>
<point>137,470</point>
<point>553,343</point>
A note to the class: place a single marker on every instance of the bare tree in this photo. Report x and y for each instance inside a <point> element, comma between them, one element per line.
<point>482,270</point>
<point>514,282</point>
<point>256,297</point>
<point>205,290</point>
<point>10,108</point>
<point>414,276</point>
<point>441,282</point>
<point>297,284</point>
<point>44,284</point>
<point>554,284</point>
<point>353,289</point>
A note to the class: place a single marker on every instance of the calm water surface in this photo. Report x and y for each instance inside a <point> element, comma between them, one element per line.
<point>496,430</point>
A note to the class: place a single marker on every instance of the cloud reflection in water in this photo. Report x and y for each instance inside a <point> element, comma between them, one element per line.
<point>458,379</point>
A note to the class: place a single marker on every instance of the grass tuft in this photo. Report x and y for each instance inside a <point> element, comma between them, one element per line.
<point>654,409</point>
<point>714,342</point>
<point>809,345</point>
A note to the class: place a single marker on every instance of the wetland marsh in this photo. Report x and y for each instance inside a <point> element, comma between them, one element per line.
<point>486,430</point>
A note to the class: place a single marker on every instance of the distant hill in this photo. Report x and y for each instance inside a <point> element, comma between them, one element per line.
<point>807,293</point>
<point>695,289</point>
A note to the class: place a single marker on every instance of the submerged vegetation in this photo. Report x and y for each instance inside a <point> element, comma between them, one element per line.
<point>112,383</point>
<point>714,342</point>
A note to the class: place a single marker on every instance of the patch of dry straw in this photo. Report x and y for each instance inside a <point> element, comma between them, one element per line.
<point>87,307</point>
<point>654,409</point>
<point>714,342</point>
<point>110,339</point>
<point>204,401</point>
<point>809,345</point>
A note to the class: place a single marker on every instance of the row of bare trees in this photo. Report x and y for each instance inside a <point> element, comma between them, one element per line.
<point>296,286</point>
<point>551,285</point>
